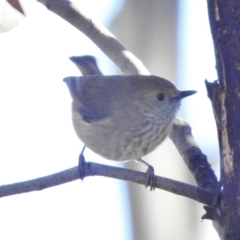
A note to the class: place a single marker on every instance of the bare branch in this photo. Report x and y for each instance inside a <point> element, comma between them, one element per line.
<point>195,160</point>
<point>95,169</point>
<point>104,39</point>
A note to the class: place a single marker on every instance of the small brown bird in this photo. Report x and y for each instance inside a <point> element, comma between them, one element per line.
<point>123,117</point>
<point>137,123</point>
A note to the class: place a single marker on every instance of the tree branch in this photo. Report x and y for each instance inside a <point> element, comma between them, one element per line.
<point>104,39</point>
<point>95,169</point>
<point>193,157</point>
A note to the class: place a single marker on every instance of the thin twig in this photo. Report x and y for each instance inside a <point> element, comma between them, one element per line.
<point>95,169</point>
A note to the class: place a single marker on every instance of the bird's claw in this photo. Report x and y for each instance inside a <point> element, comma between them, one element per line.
<point>81,164</point>
<point>151,181</point>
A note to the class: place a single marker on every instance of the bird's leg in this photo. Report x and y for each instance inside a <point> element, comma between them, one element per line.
<point>151,181</point>
<point>81,164</point>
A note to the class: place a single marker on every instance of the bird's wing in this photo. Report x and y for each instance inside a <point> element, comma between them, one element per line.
<point>90,115</point>
<point>98,97</point>
<point>91,99</point>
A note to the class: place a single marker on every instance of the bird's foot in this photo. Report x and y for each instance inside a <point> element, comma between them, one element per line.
<point>151,181</point>
<point>151,178</point>
<point>81,164</point>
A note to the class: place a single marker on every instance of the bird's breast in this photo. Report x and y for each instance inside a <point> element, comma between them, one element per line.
<point>122,138</point>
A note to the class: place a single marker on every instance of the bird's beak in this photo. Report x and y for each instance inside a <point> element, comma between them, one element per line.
<point>183,94</point>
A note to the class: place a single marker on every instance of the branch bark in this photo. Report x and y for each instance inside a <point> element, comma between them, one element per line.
<point>95,169</point>
<point>193,157</point>
<point>224,19</point>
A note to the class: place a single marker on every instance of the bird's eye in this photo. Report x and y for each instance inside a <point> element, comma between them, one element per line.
<point>160,97</point>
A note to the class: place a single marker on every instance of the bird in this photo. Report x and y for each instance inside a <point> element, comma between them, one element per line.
<point>123,117</point>
<point>88,66</point>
